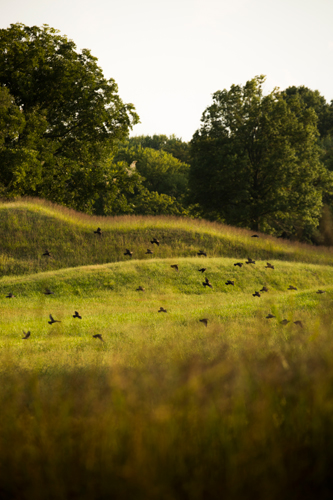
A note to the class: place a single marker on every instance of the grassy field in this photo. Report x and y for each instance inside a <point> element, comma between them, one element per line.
<point>164,407</point>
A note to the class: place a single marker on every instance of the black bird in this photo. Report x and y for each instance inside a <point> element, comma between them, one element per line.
<point>76,315</point>
<point>291,287</point>
<point>321,291</point>
<point>284,322</point>
<point>26,335</point>
<point>46,254</point>
<point>98,231</point>
<point>254,236</point>
<point>202,270</point>
<point>239,264</point>
<point>204,321</point>
<point>162,310</point>
<point>140,289</point>
<point>269,266</point>
<point>264,289</point>
<point>128,252</point>
<point>98,336</point>
<point>149,252</point>
<point>10,295</point>
<point>154,240</point>
<point>207,283</point>
<point>250,261</point>
<point>201,252</point>
<point>53,320</point>
<point>175,266</point>
<point>48,292</point>
<point>298,323</point>
<point>269,316</point>
<point>256,294</point>
<point>229,282</point>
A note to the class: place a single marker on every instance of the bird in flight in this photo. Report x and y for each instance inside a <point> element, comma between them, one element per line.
<point>284,322</point>
<point>254,236</point>
<point>76,315</point>
<point>291,287</point>
<point>98,336</point>
<point>98,231</point>
<point>175,266</point>
<point>264,289</point>
<point>46,254</point>
<point>10,295</point>
<point>202,270</point>
<point>207,283</point>
<point>229,282</point>
<point>48,292</point>
<point>250,261</point>
<point>26,335</point>
<point>201,252</point>
<point>204,321</point>
<point>154,240</point>
<point>140,289</point>
<point>53,320</point>
<point>256,294</point>
<point>128,252</point>
<point>321,291</point>
<point>149,252</point>
<point>270,316</point>
<point>269,266</point>
<point>162,310</point>
<point>298,323</point>
<point>239,264</point>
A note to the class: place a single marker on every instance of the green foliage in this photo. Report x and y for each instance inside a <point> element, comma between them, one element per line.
<point>71,115</point>
<point>172,145</point>
<point>256,161</point>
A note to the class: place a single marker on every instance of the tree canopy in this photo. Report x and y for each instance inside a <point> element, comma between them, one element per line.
<point>255,160</point>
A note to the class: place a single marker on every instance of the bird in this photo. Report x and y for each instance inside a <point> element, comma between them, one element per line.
<point>98,231</point>
<point>48,292</point>
<point>76,315</point>
<point>270,316</point>
<point>202,270</point>
<point>321,291</point>
<point>140,289</point>
<point>250,261</point>
<point>201,252</point>
<point>298,323</point>
<point>204,321</point>
<point>10,295</point>
<point>264,289</point>
<point>98,336</point>
<point>229,282</point>
<point>254,236</point>
<point>154,240</point>
<point>239,264</point>
<point>46,254</point>
<point>207,283</point>
<point>53,320</point>
<point>150,252</point>
<point>128,252</point>
<point>291,287</point>
<point>175,266</point>
<point>269,266</point>
<point>162,310</point>
<point>284,322</point>
<point>26,335</point>
<point>256,294</point>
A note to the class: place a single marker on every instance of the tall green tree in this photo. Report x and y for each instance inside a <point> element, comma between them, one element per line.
<point>72,114</point>
<point>256,160</point>
<point>172,145</point>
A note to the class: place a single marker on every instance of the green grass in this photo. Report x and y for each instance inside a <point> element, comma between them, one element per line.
<point>165,408</point>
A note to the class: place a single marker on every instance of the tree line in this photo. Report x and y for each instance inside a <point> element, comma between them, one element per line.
<point>259,161</point>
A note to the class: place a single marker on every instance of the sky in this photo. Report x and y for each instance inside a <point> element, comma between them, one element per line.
<point>169,56</point>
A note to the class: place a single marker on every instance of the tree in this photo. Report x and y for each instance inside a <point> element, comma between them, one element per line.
<point>172,145</point>
<point>256,160</point>
<point>72,115</point>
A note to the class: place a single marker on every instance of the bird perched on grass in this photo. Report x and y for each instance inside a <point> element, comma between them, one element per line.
<point>291,287</point>
<point>239,264</point>
<point>53,320</point>
<point>26,335</point>
<point>256,294</point>
<point>269,266</point>
<point>149,252</point>
<point>264,289</point>
<point>270,316</point>
<point>175,266</point>
<point>207,283</point>
<point>204,321</point>
<point>140,289</point>
<point>155,241</point>
<point>284,322</point>
<point>48,292</point>
<point>46,254</point>
<point>202,270</point>
<point>321,291</point>
<point>162,310</point>
<point>76,315</point>
<point>250,261</point>
<point>98,231</point>
<point>128,252</point>
<point>229,282</point>
<point>298,323</point>
<point>10,295</point>
<point>98,336</point>
<point>201,252</point>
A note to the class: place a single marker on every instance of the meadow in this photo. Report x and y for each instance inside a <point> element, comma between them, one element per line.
<point>163,407</point>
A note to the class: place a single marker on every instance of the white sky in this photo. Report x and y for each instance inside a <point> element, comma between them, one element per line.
<point>169,56</point>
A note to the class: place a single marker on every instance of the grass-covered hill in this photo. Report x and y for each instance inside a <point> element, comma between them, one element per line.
<point>29,227</point>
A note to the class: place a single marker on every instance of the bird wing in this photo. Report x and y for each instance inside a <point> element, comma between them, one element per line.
<point>51,318</point>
